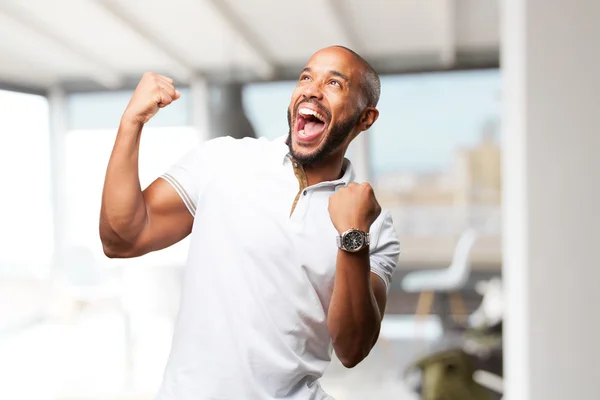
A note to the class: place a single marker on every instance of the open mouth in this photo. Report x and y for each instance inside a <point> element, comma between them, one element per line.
<point>310,124</point>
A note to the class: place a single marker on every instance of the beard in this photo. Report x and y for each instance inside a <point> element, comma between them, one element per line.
<point>336,136</point>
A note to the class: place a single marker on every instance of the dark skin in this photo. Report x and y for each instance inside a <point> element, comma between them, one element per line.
<point>332,78</point>
<point>134,222</point>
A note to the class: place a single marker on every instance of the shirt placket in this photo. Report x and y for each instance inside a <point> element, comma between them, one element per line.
<point>300,204</point>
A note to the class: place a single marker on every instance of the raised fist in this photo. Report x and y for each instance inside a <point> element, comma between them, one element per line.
<point>354,206</point>
<point>153,92</point>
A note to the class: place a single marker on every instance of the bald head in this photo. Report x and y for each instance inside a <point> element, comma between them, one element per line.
<point>370,83</point>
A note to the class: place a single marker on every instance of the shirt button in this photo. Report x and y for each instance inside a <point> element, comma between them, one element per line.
<point>304,192</point>
<point>296,165</point>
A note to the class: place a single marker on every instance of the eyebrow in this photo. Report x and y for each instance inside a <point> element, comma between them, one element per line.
<point>332,72</point>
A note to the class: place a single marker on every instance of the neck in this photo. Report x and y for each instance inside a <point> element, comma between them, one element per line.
<point>328,170</point>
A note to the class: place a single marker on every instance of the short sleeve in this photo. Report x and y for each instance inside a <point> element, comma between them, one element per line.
<point>194,170</point>
<point>385,248</point>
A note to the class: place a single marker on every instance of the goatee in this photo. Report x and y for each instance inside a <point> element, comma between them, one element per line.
<point>336,136</point>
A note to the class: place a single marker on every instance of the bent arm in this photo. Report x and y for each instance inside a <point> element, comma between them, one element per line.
<point>356,309</point>
<point>134,222</point>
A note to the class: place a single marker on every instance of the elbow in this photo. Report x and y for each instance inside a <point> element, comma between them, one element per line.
<point>350,362</point>
<point>351,346</point>
<point>113,247</point>
<point>350,359</point>
<point>351,354</point>
<point>108,243</point>
<point>113,252</point>
<point>110,250</point>
<point>119,241</point>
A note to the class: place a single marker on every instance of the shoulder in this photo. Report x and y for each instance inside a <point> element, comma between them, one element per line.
<point>385,247</point>
<point>383,231</point>
<point>246,146</point>
<point>226,153</point>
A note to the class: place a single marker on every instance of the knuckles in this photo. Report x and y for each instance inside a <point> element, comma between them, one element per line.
<point>363,191</point>
<point>355,189</point>
<point>366,187</point>
<point>150,76</point>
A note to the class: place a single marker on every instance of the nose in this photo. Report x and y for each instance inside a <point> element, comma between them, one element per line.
<point>312,90</point>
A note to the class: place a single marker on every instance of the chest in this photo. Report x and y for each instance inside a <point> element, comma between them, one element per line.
<point>254,208</point>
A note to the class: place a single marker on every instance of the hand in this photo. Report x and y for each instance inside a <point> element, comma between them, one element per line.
<point>354,206</point>
<point>153,92</point>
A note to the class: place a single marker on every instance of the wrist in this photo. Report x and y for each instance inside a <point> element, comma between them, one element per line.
<point>356,254</point>
<point>358,226</point>
<point>353,240</point>
<point>131,121</point>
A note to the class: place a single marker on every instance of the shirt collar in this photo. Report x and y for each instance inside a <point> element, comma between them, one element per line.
<point>347,178</point>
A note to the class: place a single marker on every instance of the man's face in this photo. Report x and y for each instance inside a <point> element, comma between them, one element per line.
<point>325,106</point>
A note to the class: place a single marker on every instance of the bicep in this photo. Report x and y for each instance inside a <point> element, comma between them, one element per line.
<point>169,219</point>
<point>171,199</point>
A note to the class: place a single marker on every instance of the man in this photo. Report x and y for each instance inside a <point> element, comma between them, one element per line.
<point>267,293</point>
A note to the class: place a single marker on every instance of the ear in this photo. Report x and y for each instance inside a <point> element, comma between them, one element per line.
<point>368,118</point>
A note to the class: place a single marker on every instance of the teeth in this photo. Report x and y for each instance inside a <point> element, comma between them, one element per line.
<point>308,111</point>
<point>301,132</point>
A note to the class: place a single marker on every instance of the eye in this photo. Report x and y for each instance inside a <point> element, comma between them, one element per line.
<point>335,82</point>
<point>304,77</point>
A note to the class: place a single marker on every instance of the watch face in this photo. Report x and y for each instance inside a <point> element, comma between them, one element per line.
<point>353,240</point>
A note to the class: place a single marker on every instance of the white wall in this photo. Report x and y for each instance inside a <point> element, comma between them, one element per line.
<point>551,61</point>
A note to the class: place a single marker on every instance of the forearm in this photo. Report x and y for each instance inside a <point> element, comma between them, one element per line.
<point>354,319</point>
<point>123,212</point>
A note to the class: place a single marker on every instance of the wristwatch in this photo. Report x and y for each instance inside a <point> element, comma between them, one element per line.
<point>353,240</point>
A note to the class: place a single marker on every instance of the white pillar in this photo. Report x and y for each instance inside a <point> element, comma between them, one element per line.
<point>551,169</point>
<point>448,39</point>
<point>200,116</point>
<point>57,101</point>
<point>359,149</point>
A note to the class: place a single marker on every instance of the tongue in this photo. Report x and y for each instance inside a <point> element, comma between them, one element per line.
<point>313,128</point>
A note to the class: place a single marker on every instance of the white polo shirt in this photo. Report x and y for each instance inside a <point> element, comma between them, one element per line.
<point>252,323</point>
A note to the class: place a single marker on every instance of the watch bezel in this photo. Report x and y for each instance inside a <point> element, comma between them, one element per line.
<point>364,240</point>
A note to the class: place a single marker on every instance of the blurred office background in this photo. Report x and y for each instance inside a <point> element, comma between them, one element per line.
<point>76,325</point>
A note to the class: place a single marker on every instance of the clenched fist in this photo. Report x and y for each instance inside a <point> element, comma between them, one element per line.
<point>354,206</point>
<point>153,92</point>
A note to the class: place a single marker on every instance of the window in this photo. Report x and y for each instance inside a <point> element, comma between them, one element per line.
<point>435,152</point>
<point>435,164</point>
<point>425,118</point>
<point>266,106</point>
<point>26,239</point>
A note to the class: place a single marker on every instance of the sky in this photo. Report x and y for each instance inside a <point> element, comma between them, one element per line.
<point>423,117</point>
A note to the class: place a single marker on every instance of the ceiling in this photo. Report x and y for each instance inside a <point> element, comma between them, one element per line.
<point>108,44</point>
